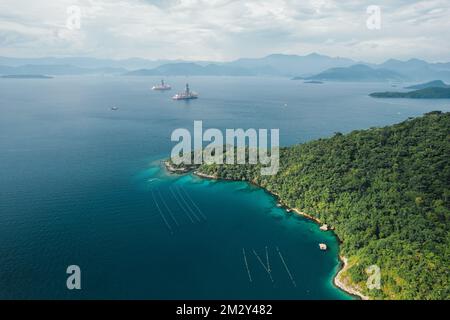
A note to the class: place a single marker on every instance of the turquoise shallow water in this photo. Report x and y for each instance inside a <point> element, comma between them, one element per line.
<point>226,217</point>
<point>77,181</point>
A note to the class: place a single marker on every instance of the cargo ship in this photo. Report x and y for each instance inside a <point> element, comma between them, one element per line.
<point>162,87</point>
<point>186,95</point>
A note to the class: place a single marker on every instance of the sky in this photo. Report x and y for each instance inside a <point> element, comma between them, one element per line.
<point>224,30</point>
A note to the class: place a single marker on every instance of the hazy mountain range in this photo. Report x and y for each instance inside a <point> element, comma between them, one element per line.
<point>431,84</point>
<point>57,69</point>
<point>313,66</point>
<point>357,72</point>
<point>272,65</point>
<point>193,69</point>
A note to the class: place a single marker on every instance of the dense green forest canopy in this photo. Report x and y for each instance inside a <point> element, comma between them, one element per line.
<point>427,93</point>
<point>385,190</point>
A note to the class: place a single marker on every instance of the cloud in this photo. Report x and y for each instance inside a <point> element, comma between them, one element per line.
<point>225,29</point>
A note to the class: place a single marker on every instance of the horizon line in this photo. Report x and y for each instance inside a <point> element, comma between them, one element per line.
<point>219,61</point>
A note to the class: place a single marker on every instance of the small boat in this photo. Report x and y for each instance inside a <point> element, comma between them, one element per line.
<point>161,87</point>
<point>114,108</point>
<point>323,246</point>
<point>186,95</point>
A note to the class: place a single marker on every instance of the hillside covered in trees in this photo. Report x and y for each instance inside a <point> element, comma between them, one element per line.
<point>427,93</point>
<point>387,193</point>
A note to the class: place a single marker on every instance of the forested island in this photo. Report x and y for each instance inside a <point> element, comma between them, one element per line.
<point>385,191</point>
<point>427,93</point>
<point>313,82</point>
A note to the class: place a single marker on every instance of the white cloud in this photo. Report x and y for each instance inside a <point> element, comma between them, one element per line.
<point>225,29</point>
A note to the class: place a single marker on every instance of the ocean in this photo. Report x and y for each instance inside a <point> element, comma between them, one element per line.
<point>82,184</point>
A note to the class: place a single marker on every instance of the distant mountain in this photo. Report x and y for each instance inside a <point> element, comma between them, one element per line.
<point>418,70</point>
<point>291,65</point>
<point>357,72</point>
<point>86,62</point>
<point>272,65</point>
<point>427,93</point>
<point>431,84</point>
<point>192,69</point>
<point>57,69</point>
<point>404,65</point>
<point>6,70</point>
<point>26,76</point>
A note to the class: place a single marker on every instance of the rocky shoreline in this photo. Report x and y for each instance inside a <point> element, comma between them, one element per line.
<point>340,282</point>
<point>176,170</point>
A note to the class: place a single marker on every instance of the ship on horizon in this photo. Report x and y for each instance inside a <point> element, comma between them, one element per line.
<point>186,95</point>
<point>161,87</point>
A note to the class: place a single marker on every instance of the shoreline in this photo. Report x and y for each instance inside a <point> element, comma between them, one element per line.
<point>175,170</point>
<point>338,282</point>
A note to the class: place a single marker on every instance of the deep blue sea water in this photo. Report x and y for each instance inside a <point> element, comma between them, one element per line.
<point>78,184</point>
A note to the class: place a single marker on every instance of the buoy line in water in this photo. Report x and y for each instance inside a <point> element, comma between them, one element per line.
<point>161,213</point>
<point>181,206</point>
<point>193,203</point>
<point>286,267</point>
<point>168,209</point>
<point>264,266</point>
<point>246,265</point>
<point>187,205</point>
